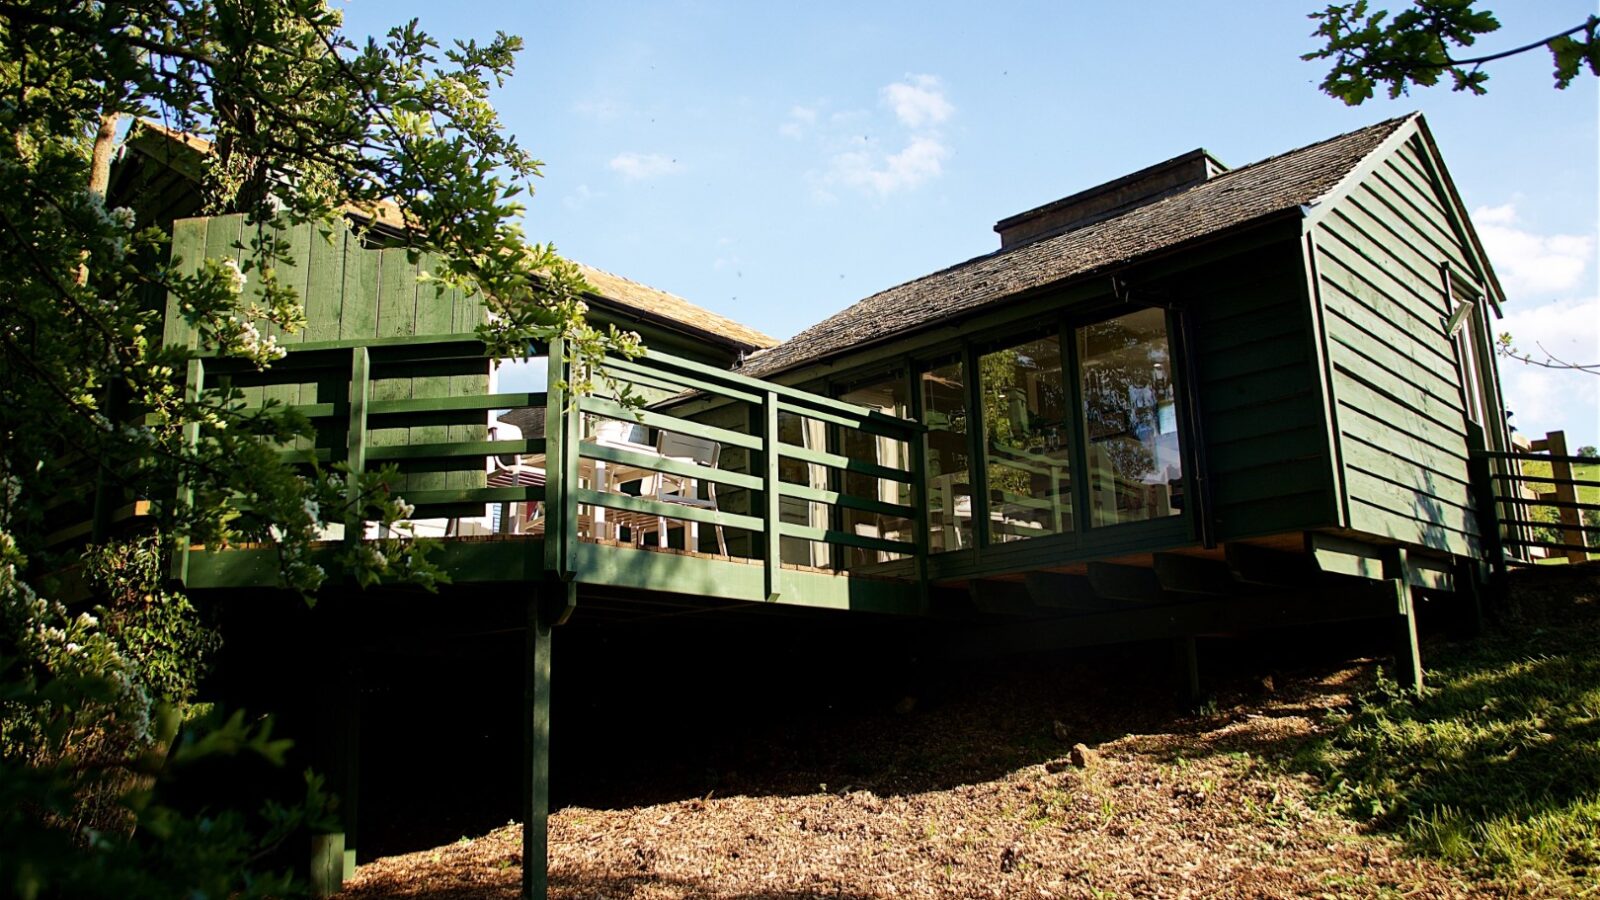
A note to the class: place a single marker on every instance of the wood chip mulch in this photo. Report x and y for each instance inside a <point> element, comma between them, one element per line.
<point>1201,809</point>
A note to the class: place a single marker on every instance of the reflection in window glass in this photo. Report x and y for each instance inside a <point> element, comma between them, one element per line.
<point>944,411</point>
<point>800,431</point>
<point>1130,419</point>
<point>1025,447</point>
<point>889,395</point>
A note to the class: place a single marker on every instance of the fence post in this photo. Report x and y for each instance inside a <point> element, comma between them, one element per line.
<point>1555,443</point>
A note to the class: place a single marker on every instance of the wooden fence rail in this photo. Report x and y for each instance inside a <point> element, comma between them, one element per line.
<point>1512,500</point>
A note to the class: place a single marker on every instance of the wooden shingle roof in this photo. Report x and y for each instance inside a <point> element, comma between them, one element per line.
<point>1226,201</point>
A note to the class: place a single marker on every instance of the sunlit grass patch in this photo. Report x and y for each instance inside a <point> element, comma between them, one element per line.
<point>1497,767</point>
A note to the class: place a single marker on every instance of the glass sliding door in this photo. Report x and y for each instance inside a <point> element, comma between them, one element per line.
<point>1026,452</point>
<point>891,396</point>
<point>944,411</point>
<point>1130,423</point>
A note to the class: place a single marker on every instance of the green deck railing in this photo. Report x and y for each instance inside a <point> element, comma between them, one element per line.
<point>1531,513</point>
<point>423,406</point>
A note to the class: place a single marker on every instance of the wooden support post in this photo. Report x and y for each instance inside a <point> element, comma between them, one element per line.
<point>1186,668</point>
<point>1407,652</point>
<point>536,755</point>
<point>1469,595</point>
<point>349,752</point>
<point>336,701</point>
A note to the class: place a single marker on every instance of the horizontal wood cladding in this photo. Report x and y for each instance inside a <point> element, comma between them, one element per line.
<point>1260,407</point>
<point>1393,370</point>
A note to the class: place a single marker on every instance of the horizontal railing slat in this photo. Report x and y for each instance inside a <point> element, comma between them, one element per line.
<point>454,404</point>
<point>724,378</point>
<point>845,538</point>
<point>846,501</point>
<point>630,503</point>
<point>839,461</point>
<point>624,457</point>
<point>321,410</point>
<point>1545,479</point>
<point>1533,456</point>
<point>871,424</point>
<point>446,450</point>
<point>673,382</point>
<point>606,407</point>
<point>519,494</point>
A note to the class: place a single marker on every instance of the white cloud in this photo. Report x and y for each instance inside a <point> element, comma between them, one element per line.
<point>922,159</point>
<point>859,145</point>
<point>800,120</point>
<point>918,101</point>
<point>642,166</point>
<point>1553,399</point>
<point>1530,263</point>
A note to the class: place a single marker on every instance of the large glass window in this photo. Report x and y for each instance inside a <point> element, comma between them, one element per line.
<point>1130,422</point>
<point>944,411</point>
<point>1026,451</point>
<point>891,396</point>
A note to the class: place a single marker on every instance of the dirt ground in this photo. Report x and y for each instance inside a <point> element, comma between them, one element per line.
<point>982,794</point>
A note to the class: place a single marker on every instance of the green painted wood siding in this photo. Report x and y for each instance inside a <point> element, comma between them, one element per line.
<point>1393,370</point>
<point>1261,413</point>
<point>354,293</point>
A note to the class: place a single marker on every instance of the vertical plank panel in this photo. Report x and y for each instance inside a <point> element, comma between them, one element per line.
<point>358,301</point>
<point>292,275</point>
<point>188,248</point>
<point>432,317</point>
<point>397,297</point>
<point>397,310</point>
<point>324,284</point>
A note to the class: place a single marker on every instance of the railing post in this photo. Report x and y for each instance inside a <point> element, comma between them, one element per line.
<point>562,427</point>
<point>1555,443</point>
<point>356,439</point>
<point>772,554</point>
<point>193,385</point>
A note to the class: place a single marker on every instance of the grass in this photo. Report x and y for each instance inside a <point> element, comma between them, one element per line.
<point>1497,767</point>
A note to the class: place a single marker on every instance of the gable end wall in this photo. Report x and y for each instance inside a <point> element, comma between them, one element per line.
<point>1398,405</point>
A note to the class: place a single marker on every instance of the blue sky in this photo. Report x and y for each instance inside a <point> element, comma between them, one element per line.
<point>776,163</point>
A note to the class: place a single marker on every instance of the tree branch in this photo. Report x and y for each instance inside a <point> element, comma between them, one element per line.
<point>1477,61</point>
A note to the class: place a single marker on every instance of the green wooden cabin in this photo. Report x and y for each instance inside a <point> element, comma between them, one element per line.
<point>1191,400</point>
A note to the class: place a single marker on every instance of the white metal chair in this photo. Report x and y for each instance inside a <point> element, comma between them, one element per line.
<point>680,490</point>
